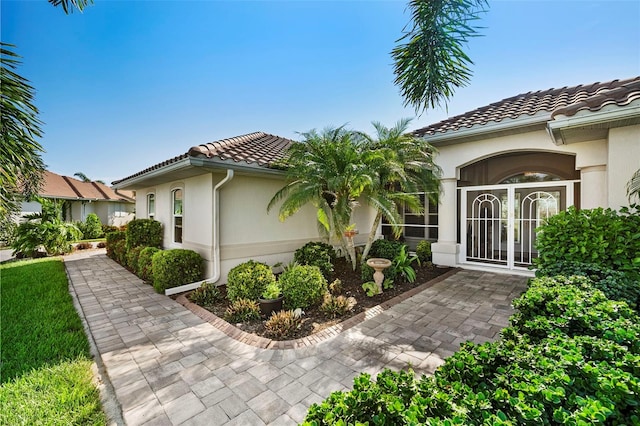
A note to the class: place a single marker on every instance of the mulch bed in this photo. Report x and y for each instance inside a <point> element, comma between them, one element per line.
<point>314,320</point>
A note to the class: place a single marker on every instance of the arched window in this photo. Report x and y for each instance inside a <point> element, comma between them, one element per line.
<point>151,206</point>
<point>177,215</point>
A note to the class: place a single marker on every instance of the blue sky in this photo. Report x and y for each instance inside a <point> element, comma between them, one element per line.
<point>128,84</point>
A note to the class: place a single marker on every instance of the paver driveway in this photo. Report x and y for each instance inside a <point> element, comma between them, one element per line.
<point>166,366</point>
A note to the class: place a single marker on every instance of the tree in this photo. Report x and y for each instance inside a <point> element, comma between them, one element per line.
<point>404,168</point>
<point>329,171</point>
<point>84,178</point>
<point>431,63</point>
<point>633,186</point>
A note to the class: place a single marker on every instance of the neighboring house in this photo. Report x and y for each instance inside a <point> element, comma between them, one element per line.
<point>113,207</point>
<point>508,165</point>
<point>213,200</point>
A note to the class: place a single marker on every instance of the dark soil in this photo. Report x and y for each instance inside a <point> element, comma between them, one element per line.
<point>314,320</point>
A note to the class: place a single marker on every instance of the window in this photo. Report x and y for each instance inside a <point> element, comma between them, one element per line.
<point>151,205</point>
<point>422,226</point>
<point>177,215</point>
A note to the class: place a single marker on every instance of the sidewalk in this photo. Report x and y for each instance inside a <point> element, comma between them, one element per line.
<point>169,367</point>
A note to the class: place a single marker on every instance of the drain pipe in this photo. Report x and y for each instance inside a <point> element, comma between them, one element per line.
<point>215,249</point>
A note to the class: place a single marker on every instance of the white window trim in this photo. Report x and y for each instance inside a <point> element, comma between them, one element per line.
<point>173,216</point>
<point>151,215</point>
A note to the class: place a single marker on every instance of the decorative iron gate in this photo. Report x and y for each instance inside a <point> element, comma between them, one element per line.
<point>499,221</point>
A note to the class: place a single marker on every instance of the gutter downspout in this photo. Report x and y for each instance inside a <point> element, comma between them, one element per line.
<point>215,249</point>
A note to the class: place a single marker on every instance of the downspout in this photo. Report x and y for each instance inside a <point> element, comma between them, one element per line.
<point>215,248</point>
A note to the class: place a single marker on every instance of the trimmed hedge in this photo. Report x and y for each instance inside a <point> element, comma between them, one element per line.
<point>175,267</point>
<point>144,232</point>
<point>302,286</point>
<point>571,356</point>
<point>112,237</point>
<point>317,253</point>
<point>605,237</point>
<point>249,280</point>
<point>145,264</point>
<point>133,256</point>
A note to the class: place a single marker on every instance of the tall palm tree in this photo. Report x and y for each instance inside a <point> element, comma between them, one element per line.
<point>431,63</point>
<point>327,170</point>
<point>633,186</point>
<point>404,168</point>
<point>85,178</point>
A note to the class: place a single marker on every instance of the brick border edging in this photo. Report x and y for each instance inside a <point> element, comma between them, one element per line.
<point>264,343</point>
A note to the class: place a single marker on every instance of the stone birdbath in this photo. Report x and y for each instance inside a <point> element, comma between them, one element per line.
<point>378,264</point>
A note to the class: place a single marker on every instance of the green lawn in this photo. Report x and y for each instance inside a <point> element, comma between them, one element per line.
<point>45,364</point>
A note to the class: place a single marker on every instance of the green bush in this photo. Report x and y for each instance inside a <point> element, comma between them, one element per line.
<point>616,285</point>
<point>318,254</point>
<point>133,256</point>
<point>145,264</point>
<point>112,238</point>
<point>144,232</point>
<point>91,227</point>
<point>248,280</point>
<point>242,310</point>
<point>109,228</point>
<point>282,325</point>
<point>385,249</point>
<point>175,267</point>
<point>571,356</point>
<point>423,251</point>
<point>120,252</point>
<point>600,236</point>
<point>205,295</point>
<point>302,286</point>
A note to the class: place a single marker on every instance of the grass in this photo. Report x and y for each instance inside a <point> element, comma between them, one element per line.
<point>45,364</point>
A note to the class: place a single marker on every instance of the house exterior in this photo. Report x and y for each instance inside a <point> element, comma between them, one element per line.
<point>508,165</point>
<point>113,207</point>
<point>213,199</point>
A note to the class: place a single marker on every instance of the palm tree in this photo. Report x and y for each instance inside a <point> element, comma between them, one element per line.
<point>84,178</point>
<point>633,186</point>
<point>431,63</point>
<point>327,170</point>
<point>404,167</point>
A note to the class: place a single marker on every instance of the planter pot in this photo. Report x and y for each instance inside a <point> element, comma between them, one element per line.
<point>268,306</point>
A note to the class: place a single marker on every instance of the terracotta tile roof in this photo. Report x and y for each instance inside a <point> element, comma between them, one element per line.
<point>259,148</point>
<point>566,101</point>
<point>57,186</point>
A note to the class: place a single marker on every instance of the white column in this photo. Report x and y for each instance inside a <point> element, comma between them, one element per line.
<point>593,187</point>
<point>445,251</point>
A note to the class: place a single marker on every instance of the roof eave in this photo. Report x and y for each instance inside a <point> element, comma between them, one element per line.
<point>152,176</point>
<point>561,128</point>
<point>237,166</point>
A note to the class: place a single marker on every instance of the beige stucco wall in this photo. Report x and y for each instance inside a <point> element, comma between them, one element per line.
<point>624,160</point>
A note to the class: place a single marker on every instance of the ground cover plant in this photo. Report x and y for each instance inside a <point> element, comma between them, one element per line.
<point>323,304</point>
<point>45,368</point>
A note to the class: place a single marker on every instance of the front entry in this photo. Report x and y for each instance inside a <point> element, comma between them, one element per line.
<point>498,222</point>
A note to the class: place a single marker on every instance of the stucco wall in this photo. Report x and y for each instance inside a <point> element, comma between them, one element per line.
<point>624,160</point>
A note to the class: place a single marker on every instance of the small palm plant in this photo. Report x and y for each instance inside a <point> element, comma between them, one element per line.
<point>402,264</point>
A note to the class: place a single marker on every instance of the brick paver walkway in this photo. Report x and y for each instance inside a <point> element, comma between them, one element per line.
<point>167,366</point>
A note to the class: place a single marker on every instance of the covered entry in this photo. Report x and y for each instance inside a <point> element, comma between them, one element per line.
<point>504,199</point>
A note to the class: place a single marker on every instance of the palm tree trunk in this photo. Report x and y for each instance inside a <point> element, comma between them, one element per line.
<point>372,234</point>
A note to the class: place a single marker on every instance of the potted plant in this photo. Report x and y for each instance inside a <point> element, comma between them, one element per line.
<point>350,231</point>
<point>271,299</point>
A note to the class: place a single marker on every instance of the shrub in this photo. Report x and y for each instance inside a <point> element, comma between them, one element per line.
<point>172,268</point>
<point>112,238</point>
<point>600,236</point>
<point>249,280</point>
<point>120,252</point>
<point>335,287</point>
<point>282,325</point>
<point>302,286</point>
<point>133,256</point>
<point>402,265</point>
<point>318,254</point>
<point>337,306</point>
<point>616,285</point>
<point>91,227</point>
<point>242,310</point>
<point>144,232</point>
<point>423,251</point>
<point>54,236</point>
<point>385,249</point>
<point>145,264</point>
<point>109,228</point>
<point>205,295</point>
<point>84,246</point>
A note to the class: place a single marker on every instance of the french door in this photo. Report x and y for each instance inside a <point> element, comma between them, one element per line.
<point>499,221</point>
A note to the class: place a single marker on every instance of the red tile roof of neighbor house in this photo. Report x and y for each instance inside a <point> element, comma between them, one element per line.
<point>259,148</point>
<point>57,186</point>
<point>565,101</point>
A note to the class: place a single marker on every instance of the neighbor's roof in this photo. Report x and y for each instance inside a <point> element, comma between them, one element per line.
<point>258,148</point>
<point>57,186</point>
<point>565,101</point>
